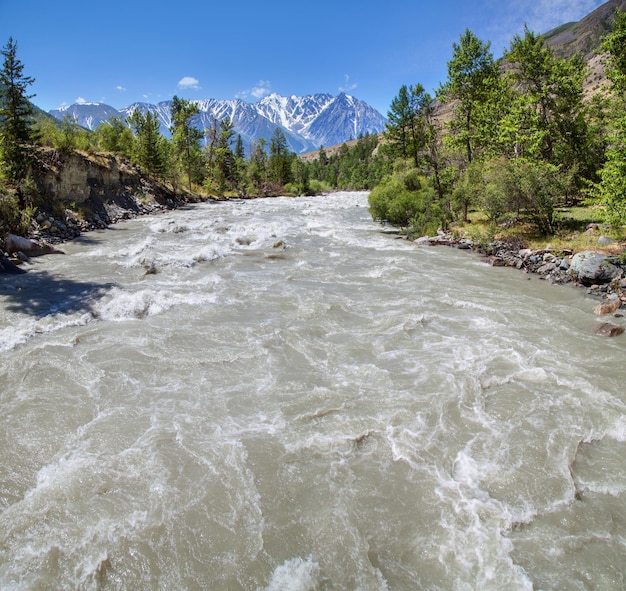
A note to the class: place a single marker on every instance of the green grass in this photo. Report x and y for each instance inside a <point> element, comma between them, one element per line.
<point>572,224</point>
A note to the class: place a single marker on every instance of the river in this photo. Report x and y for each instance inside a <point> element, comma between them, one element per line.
<point>277,395</point>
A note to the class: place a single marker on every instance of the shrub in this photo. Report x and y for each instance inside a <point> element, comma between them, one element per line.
<point>407,199</point>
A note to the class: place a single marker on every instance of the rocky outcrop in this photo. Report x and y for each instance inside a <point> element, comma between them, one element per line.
<point>79,192</point>
<point>86,191</point>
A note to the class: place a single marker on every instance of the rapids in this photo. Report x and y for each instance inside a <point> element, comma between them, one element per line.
<point>278,395</point>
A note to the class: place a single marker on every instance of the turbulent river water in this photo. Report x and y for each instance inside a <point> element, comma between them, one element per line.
<point>277,395</point>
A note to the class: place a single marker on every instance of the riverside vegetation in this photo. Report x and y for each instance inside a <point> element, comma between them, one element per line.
<point>508,152</point>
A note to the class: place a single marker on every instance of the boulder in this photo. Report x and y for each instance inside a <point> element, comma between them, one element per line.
<point>593,268</point>
<point>29,247</point>
<point>607,307</point>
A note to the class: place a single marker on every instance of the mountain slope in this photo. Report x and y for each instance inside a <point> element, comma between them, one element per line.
<point>88,115</point>
<point>584,37</point>
<point>307,122</point>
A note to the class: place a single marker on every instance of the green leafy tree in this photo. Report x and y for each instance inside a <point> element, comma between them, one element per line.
<point>612,186</point>
<point>549,115</point>
<point>115,137</point>
<point>240,165</point>
<point>408,200</point>
<point>72,136</point>
<point>48,131</point>
<point>16,117</point>
<point>472,72</point>
<point>186,139</point>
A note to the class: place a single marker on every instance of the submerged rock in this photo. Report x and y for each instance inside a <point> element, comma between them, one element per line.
<point>607,329</point>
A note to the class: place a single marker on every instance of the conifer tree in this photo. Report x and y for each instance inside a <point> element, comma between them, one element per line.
<point>16,117</point>
<point>186,138</point>
<point>280,158</point>
<point>149,150</point>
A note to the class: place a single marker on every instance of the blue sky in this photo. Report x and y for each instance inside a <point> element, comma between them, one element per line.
<point>123,52</point>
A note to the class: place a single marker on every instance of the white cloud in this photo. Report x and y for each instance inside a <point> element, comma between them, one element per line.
<point>120,88</point>
<point>347,85</point>
<point>187,82</point>
<point>80,100</point>
<point>261,89</point>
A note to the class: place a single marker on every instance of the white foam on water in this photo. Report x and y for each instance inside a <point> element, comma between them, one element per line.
<point>296,574</point>
<point>28,328</point>
<point>120,305</point>
<point>358,414</point>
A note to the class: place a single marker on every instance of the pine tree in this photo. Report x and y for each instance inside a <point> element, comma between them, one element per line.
<point>186,138</point>
<point>16,117</point>
<point>149,151</point>
<point>280,158</point>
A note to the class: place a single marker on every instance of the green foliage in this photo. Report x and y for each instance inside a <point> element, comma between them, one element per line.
<point>48,131</point>
<point>150,148</point>
<point>614,44</point>
<point>16,117</point>
<point>280,159</point>
<point>9,213</point>
<point>468,190</point>
<point>71,136</point>
<point>186,140</point>
<point>407,199</point>
<point>611,189</point>
<point>472,72</point>
<point>409,130</point>
<point>541,186</point>
<point>548,119</point>
<point>355,167</point>
<point>115,137</point>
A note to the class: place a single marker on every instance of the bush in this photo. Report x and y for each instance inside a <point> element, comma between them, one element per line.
<point>407,199</point>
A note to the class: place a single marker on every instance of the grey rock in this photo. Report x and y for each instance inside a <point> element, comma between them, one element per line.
<point>593,268</point>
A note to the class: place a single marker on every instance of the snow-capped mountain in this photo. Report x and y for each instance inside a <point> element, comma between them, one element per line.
<point>307,122</point>
<point>89,115</point>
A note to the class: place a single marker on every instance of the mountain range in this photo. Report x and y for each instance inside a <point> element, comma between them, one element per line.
<point>308,122</point>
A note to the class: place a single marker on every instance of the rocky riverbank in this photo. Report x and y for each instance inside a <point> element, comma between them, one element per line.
<point>78,193</point>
